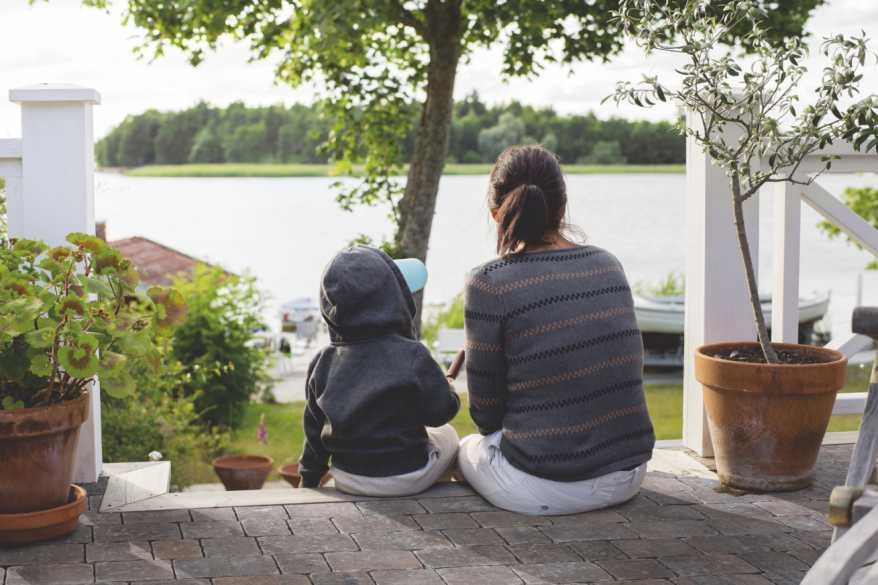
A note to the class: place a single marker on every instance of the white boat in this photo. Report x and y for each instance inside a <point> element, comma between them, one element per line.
<point>661,322</point>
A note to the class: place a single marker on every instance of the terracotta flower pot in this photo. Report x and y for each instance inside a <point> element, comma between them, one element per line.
<point>18,529</point>
<point>243,472</point>
<point>37,450</point>
<point>767,421</point>
<point>290,473</point>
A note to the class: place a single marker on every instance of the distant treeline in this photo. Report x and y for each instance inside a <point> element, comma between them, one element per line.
<point>282,134</point>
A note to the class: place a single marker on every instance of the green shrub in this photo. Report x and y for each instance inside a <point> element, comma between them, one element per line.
<point>451,318</point>
<point>220,368</point>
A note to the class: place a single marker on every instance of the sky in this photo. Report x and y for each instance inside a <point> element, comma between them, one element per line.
<point>60,41</point>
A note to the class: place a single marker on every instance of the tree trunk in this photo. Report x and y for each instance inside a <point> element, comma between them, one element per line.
<point>418,204</point>
<point>750,273</point>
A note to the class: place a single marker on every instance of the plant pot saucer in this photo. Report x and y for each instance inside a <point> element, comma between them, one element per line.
<point>29,527</point>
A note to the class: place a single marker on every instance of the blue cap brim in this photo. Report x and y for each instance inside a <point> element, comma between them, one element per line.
<point>414,272</point>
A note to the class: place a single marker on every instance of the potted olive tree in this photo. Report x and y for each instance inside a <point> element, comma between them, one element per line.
<point>768,405</point>
<point>67,314</point>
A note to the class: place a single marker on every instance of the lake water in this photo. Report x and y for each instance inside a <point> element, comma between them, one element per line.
<point>284,230</point>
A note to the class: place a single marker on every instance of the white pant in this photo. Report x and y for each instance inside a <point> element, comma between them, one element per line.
<point>441,452</point>
<point>488,472</point>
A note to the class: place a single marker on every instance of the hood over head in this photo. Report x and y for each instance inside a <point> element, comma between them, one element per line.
<point>363,294</point>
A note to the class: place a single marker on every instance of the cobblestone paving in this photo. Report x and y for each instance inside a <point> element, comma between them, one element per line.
<point>679,530</point>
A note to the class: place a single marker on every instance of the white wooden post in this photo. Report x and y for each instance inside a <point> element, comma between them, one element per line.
<point>787,207</point>
<point>56,197</point>
<point>717,307</point>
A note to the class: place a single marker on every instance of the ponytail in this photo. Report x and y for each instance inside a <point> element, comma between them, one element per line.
<point>527,191</point>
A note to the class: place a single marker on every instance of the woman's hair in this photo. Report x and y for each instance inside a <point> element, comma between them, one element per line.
<point>527,189</point>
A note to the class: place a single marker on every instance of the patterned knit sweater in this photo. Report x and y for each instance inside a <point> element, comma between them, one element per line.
<point>554,358</point>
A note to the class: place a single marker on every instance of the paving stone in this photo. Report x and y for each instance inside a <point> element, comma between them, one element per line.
<point>782,542</point>
<point>156,516</point>
<point>133,570</point>
<point>522,535</point>
<point>544,553</point>
<point>246,512</point>
<point>793,578</point>
<point>574,572</point>
<point>465,556</point>
<point>673,528</point>
<point>137,532</point>
<point>479,576</point>
<point>740,525</point>
<point>465,536</point>
<point>94,503</point>
<point>656,548</point>
<point>749,579</point>
<point>500,518</point>
<point>175,582</point>
<point>579,532</point>
<point>263,580</point>
<point>195,530</point>
<point>118,551</point>
<point>817,522</point>
<point>725,544</point>
<point>400,540</point>
<point>42,553</point>
<point>328,510</point>
<point>221,567</point>
<point>709,565</point>
<point>809,557</point>
<point>671,498</point>
<point>636,582</point>
<point>391,507</point>
<point>407,577</point>
<point>635,569</point>
<point>461,504</point>
<point>347,525</point>
<point>341,579</point>
<point>226,515</point>
<point>457,520</point>
<point>774,561</point>
<point>230,547</point>
<point>594,518</point>
<point>304,544</point>
<point>654,513</point>
<point>97,519</point>
<point>301,563</point>
<point>312,526</point>
<point>266,525</point>
<point>596,550</point>
<point>50,574</point>
<point>372,560</point>
<point>736,510</point>
<point>177,549</point>
<point>82,535</point>
<point>819,540</point>
<point>779,507</point>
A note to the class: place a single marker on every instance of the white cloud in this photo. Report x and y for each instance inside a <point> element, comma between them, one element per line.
<point>60,41</point>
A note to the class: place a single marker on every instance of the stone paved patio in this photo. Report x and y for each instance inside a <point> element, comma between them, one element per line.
<point>680,530</point>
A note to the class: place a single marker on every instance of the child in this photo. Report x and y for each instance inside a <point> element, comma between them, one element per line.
<point>375,395</point>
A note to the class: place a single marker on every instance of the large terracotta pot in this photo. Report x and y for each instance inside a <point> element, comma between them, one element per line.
<point>37,452</point>
<point>243,472</point>
<point>767,421</point>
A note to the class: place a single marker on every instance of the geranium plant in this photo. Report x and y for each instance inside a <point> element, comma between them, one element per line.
<point>70,313</point>
<point>747,109</point>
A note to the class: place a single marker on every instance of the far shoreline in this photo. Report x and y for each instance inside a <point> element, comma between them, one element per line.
<point>326,170</point>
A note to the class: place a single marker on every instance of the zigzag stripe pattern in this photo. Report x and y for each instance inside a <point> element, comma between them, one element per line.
<point>557,351</point>
<point>487,287</point>
<point>484,401</point>
<point>522,259</point>
<point>580,428</point>
<point>495,318</point>
<point>480,346</point>
<point>549,327</point>
<point>568,402</point>
<point>591,451</point>
<point>580,373</point>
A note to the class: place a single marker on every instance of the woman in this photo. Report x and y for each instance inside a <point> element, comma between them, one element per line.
<point>553,357</point>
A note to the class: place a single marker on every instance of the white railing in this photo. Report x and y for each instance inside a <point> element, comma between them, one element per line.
<point>49,175</point>
<point>717,308</point>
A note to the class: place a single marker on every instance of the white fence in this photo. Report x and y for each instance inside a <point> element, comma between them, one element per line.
<point>49,174</point>
<point>717,308</point>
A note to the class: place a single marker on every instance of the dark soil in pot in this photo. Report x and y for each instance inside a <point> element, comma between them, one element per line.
<point>243,472</point>
<point>767,421</point>
<point>37,451</point>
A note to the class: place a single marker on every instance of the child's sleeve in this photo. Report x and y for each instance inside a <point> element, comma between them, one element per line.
<point>438,400</point>
<point>485,355</point>
<point>315,458</point>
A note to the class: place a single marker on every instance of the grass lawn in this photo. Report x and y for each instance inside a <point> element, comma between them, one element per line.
<point>321,170</point>
<point>285,436</point>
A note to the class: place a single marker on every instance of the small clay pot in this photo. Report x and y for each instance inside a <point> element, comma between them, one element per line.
<point>290,472</point>
<point>243,472</point>
<point>29,527</point>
